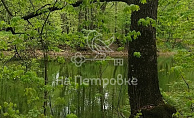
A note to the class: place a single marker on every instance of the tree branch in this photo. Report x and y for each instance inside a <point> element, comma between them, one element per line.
<point>32,4</point>
<point>51,9</point>
<point>11,29</point>
<point>43,7</point>
<point>43,10</point>
<point>185,83</point>
<point>7,9</point>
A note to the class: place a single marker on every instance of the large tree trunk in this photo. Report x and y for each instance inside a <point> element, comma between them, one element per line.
<point>146,95</point>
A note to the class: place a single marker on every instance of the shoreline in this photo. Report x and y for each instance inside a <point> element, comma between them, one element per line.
<point>68,53</point>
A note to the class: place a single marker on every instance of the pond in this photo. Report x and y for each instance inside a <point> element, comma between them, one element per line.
<point>69,93</point>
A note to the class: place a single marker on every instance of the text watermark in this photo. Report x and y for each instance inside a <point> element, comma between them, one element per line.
<point>119,80</point>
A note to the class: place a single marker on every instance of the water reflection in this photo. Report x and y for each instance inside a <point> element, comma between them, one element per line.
<point>87,100</point>
<point>83,99</point>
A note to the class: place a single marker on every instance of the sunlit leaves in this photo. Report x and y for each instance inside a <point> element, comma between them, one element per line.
<point>120,48</point>
<point>131,8</point>
<point>60,101</point>
<point>3,45</point>
<point>177,69</point>
<point>35,113</point>
<point>15,21</point>
<point>31,94</point>
<point>143,1</point>
<point>60,60</point>
<point>184,59</point>
<point>2,24</point>
<point>175,19</point>
<point>147,21</point>
<point>9,110</point>
<point>18,73</point>
<point>71,1</point>
<point>180,98</point>
<point>137,54</point>
<point>78,40</point>
<point>69,9</point>
<point>133,35</point>
<point>71,116</point>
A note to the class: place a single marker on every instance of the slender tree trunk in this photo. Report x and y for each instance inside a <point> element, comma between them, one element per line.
<point>79,18</point>
<point>45,81</point>
<point>64,21</point>
<point>102,93</point>
<point>92,18</point>
<point>146,95</point>
<point>83,102</point>
<point>86,18</point>
<point>115,29</point>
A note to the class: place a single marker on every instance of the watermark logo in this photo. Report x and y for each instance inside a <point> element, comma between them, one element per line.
<point>98,46</point>
<point>119,80</point>
<point>78,59</point>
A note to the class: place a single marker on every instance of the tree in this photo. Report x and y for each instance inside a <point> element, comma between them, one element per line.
<point>146,95</point>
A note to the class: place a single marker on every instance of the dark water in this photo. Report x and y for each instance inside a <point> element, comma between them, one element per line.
<point>78,97</point>
<point>93,101</point>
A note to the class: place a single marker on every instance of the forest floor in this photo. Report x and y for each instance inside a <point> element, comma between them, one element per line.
<point>67,52</point>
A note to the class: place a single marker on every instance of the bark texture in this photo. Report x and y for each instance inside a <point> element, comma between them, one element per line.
<point>146,95</point>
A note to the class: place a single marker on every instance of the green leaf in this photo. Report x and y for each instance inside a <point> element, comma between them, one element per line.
<point>147,21</point>
<point>131,8</point>
<point>143,1</point>
<point>71,116</point>
<point>137,54</point>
